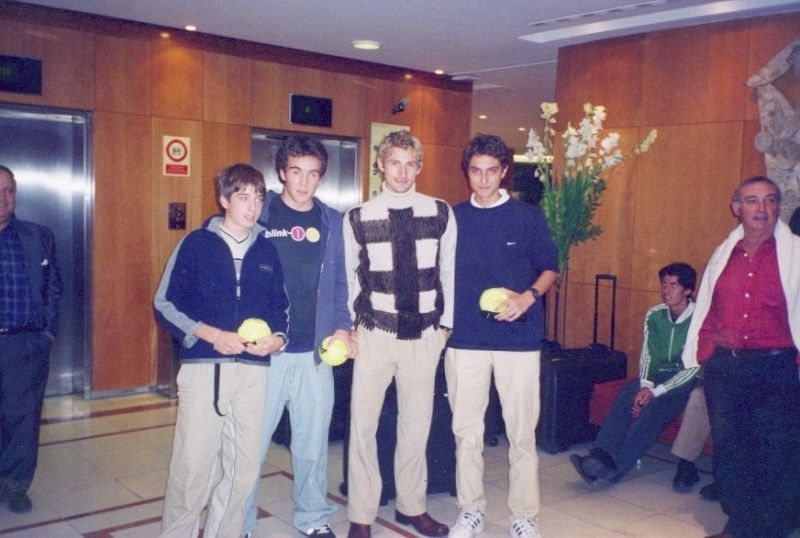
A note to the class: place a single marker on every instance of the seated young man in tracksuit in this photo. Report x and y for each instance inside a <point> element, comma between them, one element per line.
<point>217,277</point>
<point>645,406</point>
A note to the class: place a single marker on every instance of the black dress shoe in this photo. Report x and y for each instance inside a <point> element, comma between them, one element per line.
<point>685,476</point>
<point>359,530</point>
<point>423,524</point>
<point>19,503</point>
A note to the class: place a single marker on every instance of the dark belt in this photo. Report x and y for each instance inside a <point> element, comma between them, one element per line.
<point>754,353</point>
<point>5,331</point>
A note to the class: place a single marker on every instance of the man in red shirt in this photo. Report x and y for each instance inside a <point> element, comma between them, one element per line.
<point>745,333</point>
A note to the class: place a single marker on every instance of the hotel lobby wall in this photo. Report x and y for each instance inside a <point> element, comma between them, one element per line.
<point>670,204</point>
<point>140,88</point>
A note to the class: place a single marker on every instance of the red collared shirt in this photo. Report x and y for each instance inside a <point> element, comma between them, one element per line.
<point>748,308</point>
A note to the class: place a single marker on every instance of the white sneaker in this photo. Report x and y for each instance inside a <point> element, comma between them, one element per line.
<point>468,525</point>
<point>525,528</point>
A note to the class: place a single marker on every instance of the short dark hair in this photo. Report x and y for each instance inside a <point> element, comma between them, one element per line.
<point>737,194</point>
<point>300,146</point>
<point>483,144</point>
<point>794,222</point>
<point>236,177</point>
<point>687,276</point>
<point>8,171</point>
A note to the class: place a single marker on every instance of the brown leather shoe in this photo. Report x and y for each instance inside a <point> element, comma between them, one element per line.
<point>423,524</point>
<point>359,530</point>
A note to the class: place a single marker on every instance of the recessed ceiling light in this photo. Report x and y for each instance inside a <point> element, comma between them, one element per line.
<point>366,44</point>
<point>439,71</point>
<point>190,28</point>
<point>408,76</point>
<point>164,35</point>
<point>523,129</point>
<point>482,116</point>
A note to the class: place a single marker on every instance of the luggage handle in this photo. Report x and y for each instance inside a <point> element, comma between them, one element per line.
<point>613,279</point>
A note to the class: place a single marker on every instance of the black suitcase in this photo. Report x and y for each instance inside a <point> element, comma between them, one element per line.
<point>567,377</point>
<point>441,450</point>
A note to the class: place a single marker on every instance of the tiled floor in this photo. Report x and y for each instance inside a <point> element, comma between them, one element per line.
<point>103,466</point>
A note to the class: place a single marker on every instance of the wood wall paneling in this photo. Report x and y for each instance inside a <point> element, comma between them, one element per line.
<point>753,163</point>
<point>382,96</point>
<point>441,174</point>
<point>695,74</point>
<point>607,73</point>
<point>447,116</point>
<point>177,81</point>
<point>67,56</point>
<point>682,197</point>
<point>226,89</point>
<point>122,315</point>
<point>769,36</point>
<point>166,189</point>
<point>124,75</point>
<point>223,145</point>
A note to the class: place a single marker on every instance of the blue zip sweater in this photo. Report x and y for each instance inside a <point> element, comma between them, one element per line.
<point>507,246</point>
<point>199,285</point>
<point>332,312</point>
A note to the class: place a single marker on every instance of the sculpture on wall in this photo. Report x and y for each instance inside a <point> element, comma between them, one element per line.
<point>779,138</point>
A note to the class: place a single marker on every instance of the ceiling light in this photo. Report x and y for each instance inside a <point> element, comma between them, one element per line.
<point>408,76</point>
<point>439,71</point>
<point>366,44</point>
<point>523,129</point>
<point>164,35</point>
<point>482,116</point>
<point>190,28</point>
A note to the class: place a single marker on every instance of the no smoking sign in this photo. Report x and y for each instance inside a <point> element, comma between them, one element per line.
<point>175,156</point>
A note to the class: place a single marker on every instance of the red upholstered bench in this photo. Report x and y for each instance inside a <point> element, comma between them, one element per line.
<point>603,395</point>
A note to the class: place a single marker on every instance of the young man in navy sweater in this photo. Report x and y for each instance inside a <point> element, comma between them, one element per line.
<point>502,243</point>
<point>217,277</point>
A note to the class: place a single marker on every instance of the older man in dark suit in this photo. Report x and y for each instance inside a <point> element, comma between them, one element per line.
<point>30,286</point>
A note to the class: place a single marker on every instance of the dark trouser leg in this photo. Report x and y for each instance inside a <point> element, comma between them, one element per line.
<point>23,376</point>
<point>753,407</point>
<point>615,426</point>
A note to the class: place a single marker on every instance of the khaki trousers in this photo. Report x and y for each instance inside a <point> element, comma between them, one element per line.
<point>412,364</point>
<point>695,427</point>
<point>516,376</point>
<point>199,437</point>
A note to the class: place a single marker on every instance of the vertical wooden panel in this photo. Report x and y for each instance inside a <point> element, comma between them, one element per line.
<point>122,319</point>
<point>753,163</point>
<point>695,74</point>
<point>67,57</point>
<point>123,75</point>
<point>168,189</point>
<point>682,212</point>
<point>383,95</point>
<point>273,84</point>
<point>177,81</point>
<point>441,174</point>
<point>226,89</point>
<point>607,73</point>
<point>224,145</point>
<point>447,117</point>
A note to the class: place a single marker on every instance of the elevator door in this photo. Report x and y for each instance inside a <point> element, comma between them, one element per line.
<point>47,150</point>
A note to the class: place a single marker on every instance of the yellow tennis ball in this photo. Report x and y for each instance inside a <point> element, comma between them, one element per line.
<point>493,300</point>
<point>333,352</point>
<point>253,329</point>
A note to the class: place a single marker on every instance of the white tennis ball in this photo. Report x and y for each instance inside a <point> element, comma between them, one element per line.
<point>253,329</point>
<point>333,352</point>
<point>493,300</point>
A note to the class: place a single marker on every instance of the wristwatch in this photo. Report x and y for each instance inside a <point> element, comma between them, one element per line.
<point>285,343</point>
<point>536,293</point>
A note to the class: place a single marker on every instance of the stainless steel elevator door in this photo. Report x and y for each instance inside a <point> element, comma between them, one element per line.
<point>47,150</point>
<point>340,188</point>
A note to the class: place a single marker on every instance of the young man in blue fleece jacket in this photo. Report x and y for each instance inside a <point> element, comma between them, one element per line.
<point>502,243</point>
<point>217,277</point>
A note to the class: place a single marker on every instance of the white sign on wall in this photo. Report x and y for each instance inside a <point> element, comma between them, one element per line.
<point>175,155</point>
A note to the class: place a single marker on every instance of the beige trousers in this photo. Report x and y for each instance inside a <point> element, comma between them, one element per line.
<point>199,436</point>
<point>695,427</point>
<point>516,376</point>
<point>412,364</point>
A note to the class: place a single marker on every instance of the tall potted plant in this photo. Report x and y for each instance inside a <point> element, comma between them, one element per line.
<point>570,199</point>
